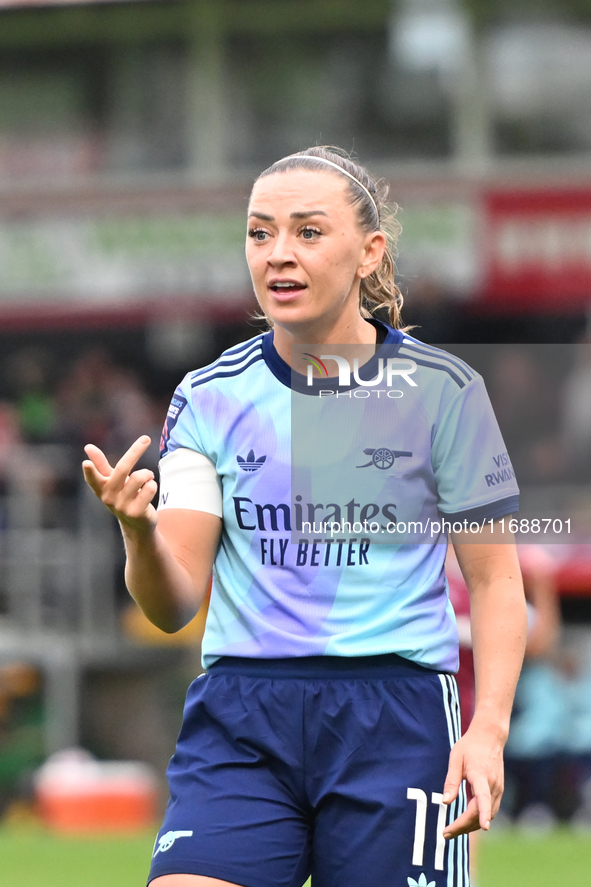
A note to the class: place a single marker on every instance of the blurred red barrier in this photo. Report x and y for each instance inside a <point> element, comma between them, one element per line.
<point>574,576</point>
<point>536,248</point>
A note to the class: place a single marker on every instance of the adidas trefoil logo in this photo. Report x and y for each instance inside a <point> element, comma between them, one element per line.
<point>251,463</point>
<point>422,882</point>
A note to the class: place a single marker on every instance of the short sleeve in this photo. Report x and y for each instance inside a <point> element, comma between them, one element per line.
<point>473,471</point>
<point>180,427</point>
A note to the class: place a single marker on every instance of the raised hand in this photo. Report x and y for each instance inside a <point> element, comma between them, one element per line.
<point>127,494</point>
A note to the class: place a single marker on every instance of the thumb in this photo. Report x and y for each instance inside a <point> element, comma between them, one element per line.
<point>93,477</point>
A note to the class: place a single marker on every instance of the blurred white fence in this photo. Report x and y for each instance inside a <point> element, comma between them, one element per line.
<point>59,552</point>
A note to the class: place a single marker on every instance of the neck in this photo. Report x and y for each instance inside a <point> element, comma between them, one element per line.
<point>355,331</point>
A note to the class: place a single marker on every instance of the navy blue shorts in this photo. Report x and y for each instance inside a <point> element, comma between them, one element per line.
<point>325,766</point>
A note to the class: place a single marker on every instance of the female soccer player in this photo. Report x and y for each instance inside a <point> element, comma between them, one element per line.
<point>324,737</point>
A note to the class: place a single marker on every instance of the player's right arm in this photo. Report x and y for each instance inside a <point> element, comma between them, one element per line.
<point>169,554</point>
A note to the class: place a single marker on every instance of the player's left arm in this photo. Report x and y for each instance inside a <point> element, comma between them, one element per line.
<point>499,628</point>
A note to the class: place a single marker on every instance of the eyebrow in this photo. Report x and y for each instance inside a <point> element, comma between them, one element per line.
<point>306,215</point>
<point>297,215</point>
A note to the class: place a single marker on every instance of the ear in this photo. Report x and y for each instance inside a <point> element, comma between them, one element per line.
<point>372,253</point>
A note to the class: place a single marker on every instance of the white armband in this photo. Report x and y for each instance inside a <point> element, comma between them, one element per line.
<point>188,479</point>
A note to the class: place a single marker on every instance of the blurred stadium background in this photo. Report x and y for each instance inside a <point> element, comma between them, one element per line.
<point>130,133</point>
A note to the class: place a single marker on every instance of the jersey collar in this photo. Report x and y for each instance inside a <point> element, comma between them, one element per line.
<point>387,336</point>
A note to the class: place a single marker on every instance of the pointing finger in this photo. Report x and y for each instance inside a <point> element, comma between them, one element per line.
<point>127,461</point>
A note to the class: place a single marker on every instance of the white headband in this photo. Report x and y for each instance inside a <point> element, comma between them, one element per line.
<point>340,169</point>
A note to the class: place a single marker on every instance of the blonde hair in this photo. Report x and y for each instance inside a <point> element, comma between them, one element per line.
<point>369,197</point>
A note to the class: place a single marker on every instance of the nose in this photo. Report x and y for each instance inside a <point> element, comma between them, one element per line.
<point>282,253</point>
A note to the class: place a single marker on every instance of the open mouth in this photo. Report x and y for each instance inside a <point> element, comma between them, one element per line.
<point>286,288</point>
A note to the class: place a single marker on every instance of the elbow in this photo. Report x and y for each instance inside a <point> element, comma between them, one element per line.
<point>169,619</point>
<point>171,623</point>
<point>172,627</point>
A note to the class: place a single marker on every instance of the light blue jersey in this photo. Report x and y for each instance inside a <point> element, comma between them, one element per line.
<point>274,597</point>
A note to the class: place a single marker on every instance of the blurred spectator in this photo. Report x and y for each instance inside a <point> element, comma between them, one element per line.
<point>131,414</point>
<point>21,734</point>
<point>549,752</point>
<point>525,402</point>
<point>28,377</point>
<point>434,314</point>
<point>535,752</point>
<point>82,400</point>
<point>99,401</point>
<point>577,734</point>
<point>10,437</point>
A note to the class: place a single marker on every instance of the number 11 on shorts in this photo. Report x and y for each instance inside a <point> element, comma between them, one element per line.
<point>418,851</point>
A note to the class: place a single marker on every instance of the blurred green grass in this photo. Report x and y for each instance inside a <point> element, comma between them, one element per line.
<point>509,859</point>
<point>36,858</point>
